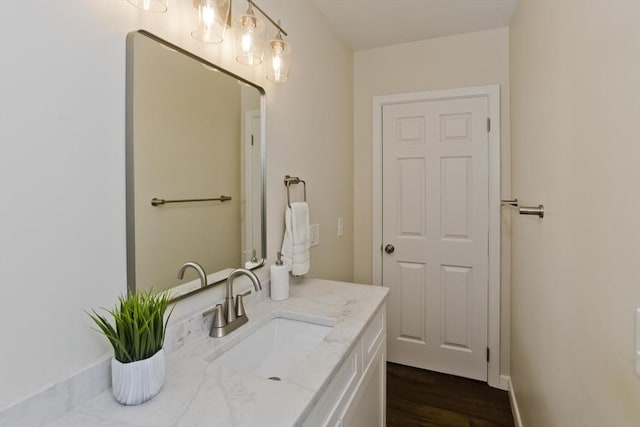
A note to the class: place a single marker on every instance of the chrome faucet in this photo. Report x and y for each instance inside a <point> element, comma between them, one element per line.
<point>198,268</point>
<point>230,316</point>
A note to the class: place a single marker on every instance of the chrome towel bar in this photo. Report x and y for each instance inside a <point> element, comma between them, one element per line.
<point>524,210</point>
<point>157,202</point>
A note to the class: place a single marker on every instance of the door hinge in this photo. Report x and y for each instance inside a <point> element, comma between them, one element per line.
<point>488,354</point>
<point>252,140</point>
<point>488,124</point>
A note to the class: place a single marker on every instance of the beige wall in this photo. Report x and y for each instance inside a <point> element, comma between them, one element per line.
<point>62,166</point>
<point>310,134</point>
<point>575,76</point>
<point>448,62</point>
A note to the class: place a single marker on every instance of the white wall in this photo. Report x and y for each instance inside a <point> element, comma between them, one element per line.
<point>575,76</point>
<point>471,59</point>
<point>62,122</point>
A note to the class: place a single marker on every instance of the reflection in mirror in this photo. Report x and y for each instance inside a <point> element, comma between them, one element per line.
<point>195,147</point>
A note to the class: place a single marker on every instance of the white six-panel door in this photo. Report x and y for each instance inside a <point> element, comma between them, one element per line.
<point>435,231</point>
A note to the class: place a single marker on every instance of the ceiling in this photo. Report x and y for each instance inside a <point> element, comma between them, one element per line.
<point>366,24</point>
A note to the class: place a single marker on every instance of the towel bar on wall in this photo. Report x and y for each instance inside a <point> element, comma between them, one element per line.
<point>288,181</point>
<point>524,210</point>
<point>157,202</point>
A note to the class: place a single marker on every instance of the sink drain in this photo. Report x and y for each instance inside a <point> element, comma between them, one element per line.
<point>275,378</point>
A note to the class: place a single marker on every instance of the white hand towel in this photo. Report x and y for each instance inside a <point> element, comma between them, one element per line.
<point>297,239</point>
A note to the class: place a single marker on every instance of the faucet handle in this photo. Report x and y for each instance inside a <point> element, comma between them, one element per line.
<point>218,316</point>
<point>240,304</point>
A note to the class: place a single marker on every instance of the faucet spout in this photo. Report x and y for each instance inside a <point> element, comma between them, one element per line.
<point>198,268</point>
<point>229,306</point>
<point>242,272</point>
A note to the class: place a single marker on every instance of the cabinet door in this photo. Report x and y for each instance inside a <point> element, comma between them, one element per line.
<point>368,406</point>
<point>326,412</point>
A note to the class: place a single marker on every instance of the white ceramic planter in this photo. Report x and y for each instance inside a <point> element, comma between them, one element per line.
<point>137,382</point>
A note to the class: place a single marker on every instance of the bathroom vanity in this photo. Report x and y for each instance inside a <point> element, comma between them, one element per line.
<point>336,380</point>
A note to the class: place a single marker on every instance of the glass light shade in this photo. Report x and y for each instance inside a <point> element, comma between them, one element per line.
<point>279,59</point>
<point>248,37</point>
<point>156,6</point>
<point>212,20</point>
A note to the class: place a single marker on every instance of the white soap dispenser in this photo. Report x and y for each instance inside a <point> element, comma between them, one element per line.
<point>279,280</point>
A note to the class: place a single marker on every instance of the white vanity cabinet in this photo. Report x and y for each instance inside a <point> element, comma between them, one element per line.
<point>356,396</point>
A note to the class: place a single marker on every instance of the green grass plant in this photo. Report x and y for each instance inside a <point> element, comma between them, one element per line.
<point>139,325</point>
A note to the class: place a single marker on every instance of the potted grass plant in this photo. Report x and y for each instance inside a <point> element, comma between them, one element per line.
<point>137,337</point>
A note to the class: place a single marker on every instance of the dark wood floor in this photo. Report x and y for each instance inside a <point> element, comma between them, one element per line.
<point>416,397</point>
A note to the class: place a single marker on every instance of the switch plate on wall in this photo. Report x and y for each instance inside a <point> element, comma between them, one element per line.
<point>315,234</point>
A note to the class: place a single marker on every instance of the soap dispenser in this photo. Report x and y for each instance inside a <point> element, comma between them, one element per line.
<point>279,280</point>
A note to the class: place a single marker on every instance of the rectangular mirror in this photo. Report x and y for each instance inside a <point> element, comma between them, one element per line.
<point>195,168</point>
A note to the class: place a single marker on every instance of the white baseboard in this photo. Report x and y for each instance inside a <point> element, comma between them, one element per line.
<point>504,382</point>
<point>514,403</point>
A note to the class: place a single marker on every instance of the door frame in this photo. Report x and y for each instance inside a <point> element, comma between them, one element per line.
<point>248,164</point>
<point>492,93</point>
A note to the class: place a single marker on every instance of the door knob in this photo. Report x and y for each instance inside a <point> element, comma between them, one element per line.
<point>389,249</point>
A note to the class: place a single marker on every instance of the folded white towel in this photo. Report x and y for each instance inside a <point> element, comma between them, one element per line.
<point>297,239</point>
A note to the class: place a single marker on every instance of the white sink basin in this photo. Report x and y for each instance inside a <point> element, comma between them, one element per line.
<point>275,349</point>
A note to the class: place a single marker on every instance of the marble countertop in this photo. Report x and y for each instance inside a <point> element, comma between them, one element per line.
<point>201,393</point>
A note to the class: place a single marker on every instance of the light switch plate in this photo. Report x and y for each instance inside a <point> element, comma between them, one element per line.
<point>315,234</point>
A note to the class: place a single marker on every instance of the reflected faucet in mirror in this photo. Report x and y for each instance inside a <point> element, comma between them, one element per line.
<point>198,268</point>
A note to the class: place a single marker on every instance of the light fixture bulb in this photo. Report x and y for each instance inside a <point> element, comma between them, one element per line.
<point>155,6</point>
<point>207,15</point>
<point>277,64</point>
<point>212,20</point>
<point>246,43</point>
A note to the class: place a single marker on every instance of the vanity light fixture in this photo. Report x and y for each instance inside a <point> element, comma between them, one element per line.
<point>280,58</point>
<point>156,6</point>
<point>213,16</point>
<point>248,35</point>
